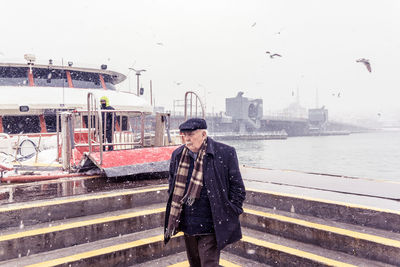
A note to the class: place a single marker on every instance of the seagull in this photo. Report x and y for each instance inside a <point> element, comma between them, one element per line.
<point>161,44</point>
<point>273,55</point>
<point>366,63</point>
<point>178,83</point>
<point>254,24</point>
<point>279,32</point>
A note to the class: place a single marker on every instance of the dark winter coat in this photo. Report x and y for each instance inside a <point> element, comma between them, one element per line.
<point>107,124</point>
<point>224,182</point>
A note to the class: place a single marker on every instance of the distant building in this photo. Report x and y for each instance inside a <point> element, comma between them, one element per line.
<point>245,112</point>
<point>318,118</point>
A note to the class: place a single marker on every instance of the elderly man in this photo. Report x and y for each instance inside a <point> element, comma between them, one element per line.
<point>206,193</point>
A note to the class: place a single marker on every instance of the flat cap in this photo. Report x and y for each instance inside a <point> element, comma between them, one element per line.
<point>193,124</point>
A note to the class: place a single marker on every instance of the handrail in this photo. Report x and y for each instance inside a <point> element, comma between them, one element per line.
<point>91,100</point>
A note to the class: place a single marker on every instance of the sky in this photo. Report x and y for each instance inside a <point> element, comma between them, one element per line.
<point>218,48</point>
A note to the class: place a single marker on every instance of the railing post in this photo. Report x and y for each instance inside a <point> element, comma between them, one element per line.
<point>160,129</point>
<point>142,129</point>
<point>66,140</point>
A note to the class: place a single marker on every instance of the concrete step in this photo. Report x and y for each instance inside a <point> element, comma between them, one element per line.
<point>180,260</point>
<point>34,239</point>
<point>364,242</point>
<point>326,209</point>
<point>34,212</point>
<point>63,187</point>
<point>278,251</point>
<point>123,250</point>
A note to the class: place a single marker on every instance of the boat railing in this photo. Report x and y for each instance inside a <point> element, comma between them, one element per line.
<point>83,131</point>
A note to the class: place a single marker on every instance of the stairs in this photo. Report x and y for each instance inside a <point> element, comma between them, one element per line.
<point>125,227</point>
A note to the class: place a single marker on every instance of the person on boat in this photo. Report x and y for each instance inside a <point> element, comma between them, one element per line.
<point>108,123</point>
<point>206,194</point>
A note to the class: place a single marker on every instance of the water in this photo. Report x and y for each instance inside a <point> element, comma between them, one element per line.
<point>368,155</point>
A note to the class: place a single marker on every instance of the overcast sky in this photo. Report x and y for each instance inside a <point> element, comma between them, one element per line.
<point>217,48</point>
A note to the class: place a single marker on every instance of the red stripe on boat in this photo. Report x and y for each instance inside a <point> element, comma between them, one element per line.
<point>42,124</point>
<point>30,77</point>
<point>69,79</point>
<point>103,84</point>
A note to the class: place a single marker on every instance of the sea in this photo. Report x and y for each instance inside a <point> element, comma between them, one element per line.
<point>372,155</point>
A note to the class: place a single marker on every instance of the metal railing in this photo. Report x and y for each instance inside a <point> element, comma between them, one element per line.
<point>87,129</point>
<point>191,97</point>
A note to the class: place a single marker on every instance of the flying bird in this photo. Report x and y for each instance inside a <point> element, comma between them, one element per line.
<point>272,55</point>
<point>254,24</point>
<point>161,44</point>
<point>366,63</point>
<point>177,83</point>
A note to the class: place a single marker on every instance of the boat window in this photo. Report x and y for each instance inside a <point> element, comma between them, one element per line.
<point>109,82</point>
<point>21,124</point>
<point>14,76</point>
<point>51,123</point>
<point>49,77</point>
<point>82,79</point>
<point>124,122</point>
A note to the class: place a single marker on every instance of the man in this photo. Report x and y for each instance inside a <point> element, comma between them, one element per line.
<point>206,193</point>
<point>108,123</point>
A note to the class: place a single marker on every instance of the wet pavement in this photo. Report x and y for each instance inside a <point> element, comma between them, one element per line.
<point>380,194</point>
<point>12,193</point>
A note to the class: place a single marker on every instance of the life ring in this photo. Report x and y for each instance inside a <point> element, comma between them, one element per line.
<point>27,149</point>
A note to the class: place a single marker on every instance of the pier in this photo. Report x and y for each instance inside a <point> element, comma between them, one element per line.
<point>290,218</point>
<point>245,116</point>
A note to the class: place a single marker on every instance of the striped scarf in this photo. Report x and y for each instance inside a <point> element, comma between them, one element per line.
<point>194,188</point>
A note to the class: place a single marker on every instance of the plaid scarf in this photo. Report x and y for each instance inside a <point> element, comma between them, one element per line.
<point>194,188</point>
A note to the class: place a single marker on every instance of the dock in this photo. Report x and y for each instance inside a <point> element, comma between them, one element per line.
<point>290,219</point>
<point>272,135</point>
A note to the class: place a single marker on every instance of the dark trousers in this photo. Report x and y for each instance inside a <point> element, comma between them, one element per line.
<point>202,250</point>
<point>109,140</point>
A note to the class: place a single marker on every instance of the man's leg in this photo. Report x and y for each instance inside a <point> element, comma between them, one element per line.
<point>207,247</point>
<point>192,251</point>
<point>109,140</point>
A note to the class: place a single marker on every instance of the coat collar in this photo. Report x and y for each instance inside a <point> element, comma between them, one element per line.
<point>210,146</point>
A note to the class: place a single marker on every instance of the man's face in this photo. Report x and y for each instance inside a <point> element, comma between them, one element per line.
<point>194,139</point>
<point>103,103</point>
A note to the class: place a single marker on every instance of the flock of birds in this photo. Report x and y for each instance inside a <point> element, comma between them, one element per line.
<point>361,60</point>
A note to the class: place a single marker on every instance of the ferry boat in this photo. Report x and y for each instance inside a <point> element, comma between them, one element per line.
<point>34,95</point>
